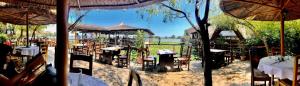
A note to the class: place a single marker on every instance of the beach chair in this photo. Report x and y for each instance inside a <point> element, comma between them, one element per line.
<point>256,53</point>
<point>81,57</point>
<point>295,82</point>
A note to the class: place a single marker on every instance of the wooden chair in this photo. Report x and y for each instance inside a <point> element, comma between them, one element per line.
<point>295,82</point>
<point>149,60</point>
<point>97,50</point>
<point>87,58</point>
<point>124,60</point>
<point>133,75</point>
<point>228,57</point>
<point>28,75</point>
<point>256,53</point>
<point>44,49</point>
<point>185,59</point>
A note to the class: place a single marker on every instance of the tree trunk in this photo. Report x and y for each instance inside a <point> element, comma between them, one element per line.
<point>206,55</point>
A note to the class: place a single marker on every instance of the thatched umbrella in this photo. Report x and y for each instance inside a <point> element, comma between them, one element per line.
<point>26,16</point>
<point>264,10</point>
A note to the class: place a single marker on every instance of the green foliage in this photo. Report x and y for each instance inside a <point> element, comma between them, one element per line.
<point>270,31</point>
<point>3,38</point>
<point>140,39</point>
<point>225,22</point>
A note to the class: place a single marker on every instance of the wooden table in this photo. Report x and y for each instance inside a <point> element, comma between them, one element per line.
<point>218,58</point>
<point>166,57</point>
<point>28,52</point>
<point>109,53</point>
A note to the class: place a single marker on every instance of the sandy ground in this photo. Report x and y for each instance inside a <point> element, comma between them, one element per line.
<point>235,74</point>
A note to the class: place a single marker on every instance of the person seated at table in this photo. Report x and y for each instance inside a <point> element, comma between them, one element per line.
<point>5,51</point>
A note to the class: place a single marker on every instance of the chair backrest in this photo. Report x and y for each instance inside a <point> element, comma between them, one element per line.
<point>256,53</point>
<point>296,72</point>
<point>29,74</point>
<point>147,51</point>
<point>128,51</point>
<point>189,51</point>
<point>44,48</point>
<point>133,75</point>
<point>81,57</point>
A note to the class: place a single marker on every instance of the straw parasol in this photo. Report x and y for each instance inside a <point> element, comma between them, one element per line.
<point>26,16</point>
<point>264,10</point>
<point>87,4</point>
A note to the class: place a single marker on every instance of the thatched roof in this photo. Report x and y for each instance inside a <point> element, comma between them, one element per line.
<point>121,28</point>
<point>213,32</point>
<point>17,15</point>
<point>124,27</point>
<point>87,4</point>
<point>263,10</point>
<point>211,29</point>
<point>90,28</point>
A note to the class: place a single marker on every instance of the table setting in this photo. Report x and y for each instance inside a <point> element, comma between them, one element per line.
<point>280,67</point>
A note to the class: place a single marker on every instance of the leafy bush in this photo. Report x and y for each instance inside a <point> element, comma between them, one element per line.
<point>3,37</point>
<point>139,42</point>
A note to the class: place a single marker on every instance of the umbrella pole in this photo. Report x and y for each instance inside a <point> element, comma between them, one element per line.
<point>282,35</point>
<point>61,49</point>
<point>27,35</point>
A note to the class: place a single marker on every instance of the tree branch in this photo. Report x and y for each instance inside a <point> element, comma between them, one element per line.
<point>183,13</point>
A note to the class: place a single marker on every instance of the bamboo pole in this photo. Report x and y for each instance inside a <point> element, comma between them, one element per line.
<point>61,52</point>
<point>282,34</point>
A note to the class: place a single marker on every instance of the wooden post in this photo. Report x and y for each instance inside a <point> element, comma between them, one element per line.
<point>61,51</point>
<point>27,31</point>
<point>282,34</point>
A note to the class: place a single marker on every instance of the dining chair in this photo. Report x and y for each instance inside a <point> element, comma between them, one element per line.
<point>228,57</point>
<point>124,60</point>
<point>44,49</point>
<point>256,53</point>
<point>185,59</point>
<point>97,50</point>
<point>81,57</point>
<point>296,73</point>
<point>148,59</point>
<point>32,70</point>
<point>133,75</point>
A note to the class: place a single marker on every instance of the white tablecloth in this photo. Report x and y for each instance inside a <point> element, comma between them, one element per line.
<point>165,51</point>
<point>77,79</point>
<point>112,48</point>
<point>282,70</point>
<point>28,51</point>
<point>217,50</point>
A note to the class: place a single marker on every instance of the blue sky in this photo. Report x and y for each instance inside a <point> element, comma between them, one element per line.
<point>130,17</point>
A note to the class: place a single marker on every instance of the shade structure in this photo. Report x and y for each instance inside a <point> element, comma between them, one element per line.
<point>87,4</point>
<point>16,15</point>
<point>89,28</point>
<point>123,27</point>
<point>263,10</point>
<point>26,16</point>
